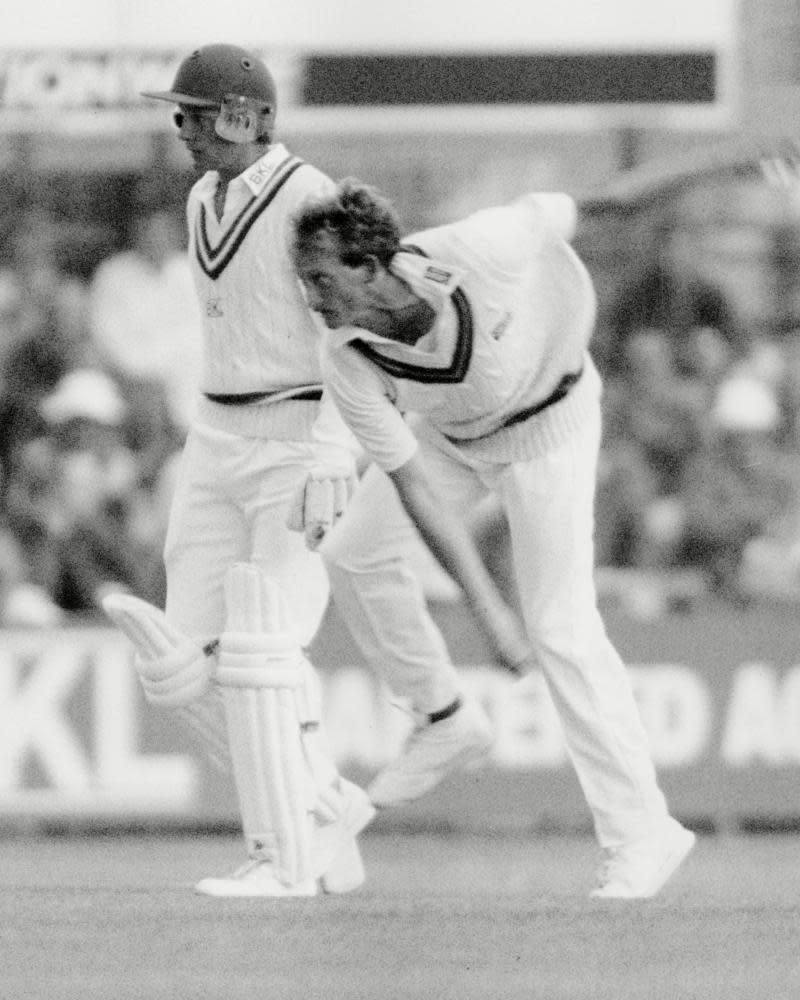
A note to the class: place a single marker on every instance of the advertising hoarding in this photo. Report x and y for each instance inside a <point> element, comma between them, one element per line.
<point>718,689</point>
<point>473,66</point>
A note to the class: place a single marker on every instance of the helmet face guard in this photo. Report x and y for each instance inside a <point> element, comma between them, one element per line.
<point>240,119</point>
<point>232,80</point>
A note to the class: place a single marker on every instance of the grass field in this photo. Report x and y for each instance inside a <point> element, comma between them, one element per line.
<point>114,918</point>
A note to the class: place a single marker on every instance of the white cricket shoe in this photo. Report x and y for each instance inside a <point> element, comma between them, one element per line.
<point>255,878</point>
<point>639,870</point>
<point>336,858</point>
<point>346,871</point>
<point>431,752</point>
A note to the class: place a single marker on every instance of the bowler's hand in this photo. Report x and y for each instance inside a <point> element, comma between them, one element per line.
<point>511,647</point>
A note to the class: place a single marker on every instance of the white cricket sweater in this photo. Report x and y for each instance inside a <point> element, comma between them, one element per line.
<point>515,311</point>
<point>258,333</point>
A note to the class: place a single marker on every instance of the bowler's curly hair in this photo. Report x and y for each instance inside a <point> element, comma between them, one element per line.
<point>364,223</point>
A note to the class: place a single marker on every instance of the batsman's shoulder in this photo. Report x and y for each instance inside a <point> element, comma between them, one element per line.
<point>311,181</point>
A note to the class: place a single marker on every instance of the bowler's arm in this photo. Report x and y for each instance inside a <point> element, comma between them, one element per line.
<point>560,210</point>
<point>448,538</point>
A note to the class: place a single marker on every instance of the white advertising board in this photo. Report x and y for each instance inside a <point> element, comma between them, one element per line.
<point>564,64</point>
<point>372,25</point>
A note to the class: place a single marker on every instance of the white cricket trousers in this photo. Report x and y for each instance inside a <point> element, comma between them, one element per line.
<point>230,505</point>
<point>549,502</point>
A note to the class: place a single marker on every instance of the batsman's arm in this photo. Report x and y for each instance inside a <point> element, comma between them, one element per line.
<point>450,542</point>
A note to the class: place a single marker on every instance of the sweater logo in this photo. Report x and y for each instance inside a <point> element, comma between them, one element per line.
<point>502,326</point>
<point>437,274</point>
<point>260,174</point>
<point>214,308</point>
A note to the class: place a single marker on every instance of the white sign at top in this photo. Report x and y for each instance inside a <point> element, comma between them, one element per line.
<point>353,26</point>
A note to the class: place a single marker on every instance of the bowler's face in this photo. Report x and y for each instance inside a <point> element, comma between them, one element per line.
<point>339,293</point>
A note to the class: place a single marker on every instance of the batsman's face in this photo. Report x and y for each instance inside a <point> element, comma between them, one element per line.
<point>196,130</point>
<point>341,294</point>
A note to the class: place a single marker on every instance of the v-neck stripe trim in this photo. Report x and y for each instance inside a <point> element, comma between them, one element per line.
<point>456,371</point>
<point>214,259</point>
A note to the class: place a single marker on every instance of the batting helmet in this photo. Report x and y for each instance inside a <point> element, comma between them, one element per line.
<point>232,79</point>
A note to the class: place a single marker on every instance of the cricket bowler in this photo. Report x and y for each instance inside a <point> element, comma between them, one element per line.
<point>459,359</point>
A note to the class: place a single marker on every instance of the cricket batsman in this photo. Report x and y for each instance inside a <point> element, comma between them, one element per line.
<point>245,595</point>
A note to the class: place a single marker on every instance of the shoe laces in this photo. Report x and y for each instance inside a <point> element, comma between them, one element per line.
<point>248,866</point>
<point>419,719</point>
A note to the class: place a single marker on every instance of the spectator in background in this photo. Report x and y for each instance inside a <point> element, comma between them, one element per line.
<point>34,253</point>
<point>145,325</point>
<point>43,332</point>
<point>707,359</point>
<point>16,316</point>
<point>670,293</point>
<point>17,321</point>
<point>789,388</point>
<point>735,487</point>
<point>33,510</point>
<point>655,421</point>
<point>626,486</point>
<point>651,407</point>
<point>758,402</point>
<point>32,358</point>
<point>23,604</point>
<point>77,501</point>
<point>41,258</point>
<point>24,601</point>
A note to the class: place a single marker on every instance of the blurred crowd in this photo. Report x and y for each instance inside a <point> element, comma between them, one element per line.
<point>699,478</point>
<point>97,379</point>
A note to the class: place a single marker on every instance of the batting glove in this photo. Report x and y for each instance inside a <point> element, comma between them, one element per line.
<point>318,504</point>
